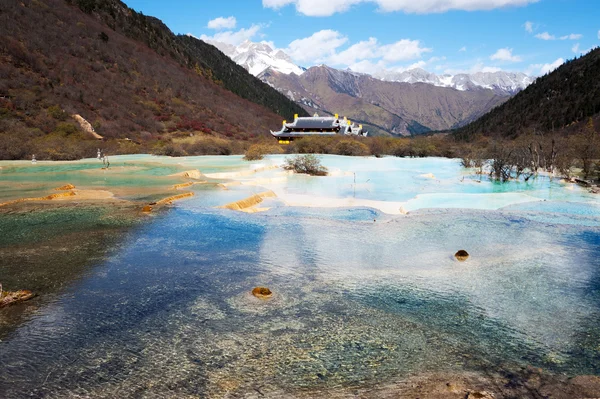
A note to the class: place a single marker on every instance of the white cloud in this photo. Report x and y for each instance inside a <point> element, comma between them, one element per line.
<point>419,64</point>
<point>548,36</point>
<point>270,43</point>
<point>577,50</point>
<point>462,49</point>
<point>360,51</point>
<point>599,35</point>
<point>325,46</point>
<point>529,26</point>
<point>234,38</point>
<point>314,8</point>
<point>319,8</point>
<point>371,67</point>
<point>547,68</point>
<point>403,50</point>
<point>477,67</point>
<point>545,36</point>
<point>572,36</point>
<point>542,69</point>
<point>505,54</point>
<point>366,66</point>
<point>319,47</point>
<point>222,23</point>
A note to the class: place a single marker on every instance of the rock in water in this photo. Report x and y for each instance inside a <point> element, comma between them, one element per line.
<point>461,255</point>
<point>262,292</point>
<point>8,298</point>
<point>147,209</point>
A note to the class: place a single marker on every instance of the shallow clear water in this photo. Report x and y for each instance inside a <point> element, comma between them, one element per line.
<point>163,308</point>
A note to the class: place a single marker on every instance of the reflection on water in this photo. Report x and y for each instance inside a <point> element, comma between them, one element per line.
<point>360,298</point>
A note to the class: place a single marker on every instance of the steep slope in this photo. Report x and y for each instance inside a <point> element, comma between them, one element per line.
<point>566,96</point>
<point>125,73</point>
<point>235,78</point>
<point>186,50</point>
<point>394,107</point>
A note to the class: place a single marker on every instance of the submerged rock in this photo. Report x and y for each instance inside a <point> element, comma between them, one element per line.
<point>169,200</point>
<point>46,198</point>
<point>183,185</point>
<point>262,292</point>
<point>253,200</point>
<point>461,255</point>
<point>65,187</point>
<point>147,209</point>
<point>8,298</point>
<point>190,174</point>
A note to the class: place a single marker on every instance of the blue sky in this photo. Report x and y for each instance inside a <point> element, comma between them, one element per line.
<point>441,36</point>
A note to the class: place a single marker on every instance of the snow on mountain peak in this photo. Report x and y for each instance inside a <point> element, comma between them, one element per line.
<point>258,57</point>
<point>500,81</point>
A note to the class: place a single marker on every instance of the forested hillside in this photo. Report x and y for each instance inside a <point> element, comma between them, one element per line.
<point>126,74</point>
<point>568,96</point>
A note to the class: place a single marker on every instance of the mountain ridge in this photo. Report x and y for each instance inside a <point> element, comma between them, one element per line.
<point>392,108</point>
<point>501,82</point>
<point>390,103</point>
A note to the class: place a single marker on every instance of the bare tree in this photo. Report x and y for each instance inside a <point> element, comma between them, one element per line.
<point>586,148</point>
<point>500,159</point>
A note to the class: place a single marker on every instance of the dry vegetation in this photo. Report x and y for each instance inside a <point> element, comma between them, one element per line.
<point>575,155</point>
<point>258,151</point>
<point>140,86</point>
<point>308,164</point>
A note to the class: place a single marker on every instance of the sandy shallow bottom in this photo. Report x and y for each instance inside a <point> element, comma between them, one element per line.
<point>368,302</point>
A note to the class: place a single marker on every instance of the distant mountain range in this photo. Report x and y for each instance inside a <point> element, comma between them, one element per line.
<point>396,103</point>
<point>386,108</point>
<point>503,83</point>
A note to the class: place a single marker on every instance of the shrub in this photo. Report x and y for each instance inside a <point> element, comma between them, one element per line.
<point>57,113</point>
<point>65,129</point>
<point>308,164</point>
<point>422,147</point>
<point>209,146</point>
<point>258,151</point>
<point>311,145</point>
<point>351,148</point>
<point>170,150</point>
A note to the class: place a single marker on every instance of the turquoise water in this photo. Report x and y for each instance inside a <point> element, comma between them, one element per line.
<point>361,297</point>
<point>418,183</point>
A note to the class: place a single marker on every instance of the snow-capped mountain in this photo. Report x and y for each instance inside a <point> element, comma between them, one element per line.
<point>500,81</point>
<point>258,57</point>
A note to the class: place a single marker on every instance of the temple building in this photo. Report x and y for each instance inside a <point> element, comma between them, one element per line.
<point>317,126</point>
